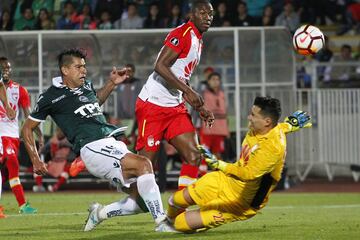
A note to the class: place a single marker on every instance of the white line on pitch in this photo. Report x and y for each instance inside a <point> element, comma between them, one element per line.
<point>269,208</point>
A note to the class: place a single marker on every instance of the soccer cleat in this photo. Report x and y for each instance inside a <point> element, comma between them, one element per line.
<point>2,215</point>
<point>52,188</point>
<point>27,209</point>
<point>93,219</point>
<point>76,167</point>
<point>165,226</point>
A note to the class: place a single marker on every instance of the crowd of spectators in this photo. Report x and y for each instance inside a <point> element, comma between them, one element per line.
<point>134,14</point>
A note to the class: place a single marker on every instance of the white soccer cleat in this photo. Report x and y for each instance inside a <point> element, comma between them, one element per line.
<point>93,219</point>
<point>165,226</point>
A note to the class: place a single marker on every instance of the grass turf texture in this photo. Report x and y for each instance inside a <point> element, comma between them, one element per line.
<point>288,216</point>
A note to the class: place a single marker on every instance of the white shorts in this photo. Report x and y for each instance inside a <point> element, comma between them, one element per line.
<point>102,159</point>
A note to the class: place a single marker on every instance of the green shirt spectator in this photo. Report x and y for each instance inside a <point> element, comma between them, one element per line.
<point>40,4</point>
<point>27,21</point>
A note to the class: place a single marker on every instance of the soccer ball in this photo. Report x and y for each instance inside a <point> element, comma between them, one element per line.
<point>308,40</point>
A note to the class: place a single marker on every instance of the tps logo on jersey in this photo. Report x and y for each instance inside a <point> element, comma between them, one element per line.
<point>174,41</point>
<point>15,96</point>
<point>89,110</point>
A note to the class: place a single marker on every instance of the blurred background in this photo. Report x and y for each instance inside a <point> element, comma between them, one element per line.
<point>249,45</point>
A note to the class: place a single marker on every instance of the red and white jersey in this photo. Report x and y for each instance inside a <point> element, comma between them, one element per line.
<point>186,40</point>
<point>17,97</point>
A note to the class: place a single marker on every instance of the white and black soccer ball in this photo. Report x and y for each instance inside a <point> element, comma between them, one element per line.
<point>308,40</point>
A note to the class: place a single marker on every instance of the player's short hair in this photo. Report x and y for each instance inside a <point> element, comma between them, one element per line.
<point>213,74</point>
<point>196,3</point>
<point>270,107</point>
<point>130,65</point>
<point>4,59</point>
<point>65,57</point>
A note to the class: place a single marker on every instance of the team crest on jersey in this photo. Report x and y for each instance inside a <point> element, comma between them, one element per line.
<point>83,99</point>
<point>174,41</point>
<point>15,96</point>
<point>150,141</point>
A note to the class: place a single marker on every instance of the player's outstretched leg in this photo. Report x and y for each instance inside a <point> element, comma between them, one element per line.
<point>99,213</point>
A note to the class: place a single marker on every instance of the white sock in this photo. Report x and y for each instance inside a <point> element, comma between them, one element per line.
<point>150,193</point>
<point>126,206</point>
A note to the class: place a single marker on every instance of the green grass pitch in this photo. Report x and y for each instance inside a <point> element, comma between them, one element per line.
<point>287,216</point>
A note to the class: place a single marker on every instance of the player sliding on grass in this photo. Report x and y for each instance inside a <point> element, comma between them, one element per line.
<point>74,105</point>
<point>238,191</point>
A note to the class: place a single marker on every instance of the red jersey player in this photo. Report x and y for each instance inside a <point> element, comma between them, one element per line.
<point>17,97</point>
<point>160,109</point>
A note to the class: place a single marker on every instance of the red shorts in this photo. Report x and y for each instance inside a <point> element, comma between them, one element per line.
<point>156,123</point>
<point>215,143</point>
<point>10,147</point>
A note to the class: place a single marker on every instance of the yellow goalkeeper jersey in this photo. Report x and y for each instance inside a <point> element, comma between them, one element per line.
<point>259,168</point>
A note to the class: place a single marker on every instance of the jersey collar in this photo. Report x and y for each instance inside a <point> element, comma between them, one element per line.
<point>58,82</point>
<point>196,31</point>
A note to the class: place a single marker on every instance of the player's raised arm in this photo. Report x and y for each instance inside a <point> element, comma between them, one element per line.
<point>29,141</point>
<point>116,77</point>
<point>163,64</point>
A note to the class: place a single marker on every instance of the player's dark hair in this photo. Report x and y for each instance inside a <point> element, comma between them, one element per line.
<point>196,3</point>
<point>270,107</point>
<point>213,74</point>
<point>4,59</point>
<point>130,65</point>
<point>65,58</point>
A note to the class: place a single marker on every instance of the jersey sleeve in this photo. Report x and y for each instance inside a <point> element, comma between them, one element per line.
<point>261,161</point>
<point>24,99</point>
<point>177,40</point>
<point>41,109</point>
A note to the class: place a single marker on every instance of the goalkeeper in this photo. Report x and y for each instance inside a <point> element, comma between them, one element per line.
<point>238,191</point>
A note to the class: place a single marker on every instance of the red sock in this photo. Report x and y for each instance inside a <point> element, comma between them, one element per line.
<point>61,180</point>
<point>19,194</point>
<point>188,175</point>
<point>38,179</point>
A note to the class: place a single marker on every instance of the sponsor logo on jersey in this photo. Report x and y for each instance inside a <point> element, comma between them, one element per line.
<point>174,41</point>
<point>83,99</point>
<point>58,99</point>
<point>189,68</point>
<point>89,110</point>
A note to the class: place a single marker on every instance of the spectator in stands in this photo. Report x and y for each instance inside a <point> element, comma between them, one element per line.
<point>175,18</point>
<point>351,19</point>
<point>324,55</point>
<point>39,5</point>
<point>58,155</point>
<point>256,8</point>
<point>127,94</point>
<point>341,72</point>
<point>27,21</point>
<point>114,7</point>
<point>105,21</point>
<point>242,18</point>
<point>6,23</point>
<point>44,20</point>
<point>221,15</point>
<point>131,21</point>
<point>154,20</point>
<point>84,20</point>
<point>288,18</point>
<point>214,138</point>
<point>268,18</point>
<point>20,7</point>
<point>65,22</point>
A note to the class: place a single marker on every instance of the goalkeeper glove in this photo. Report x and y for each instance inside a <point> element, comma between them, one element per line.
<point>211,159</point>
<point>299,119</point>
